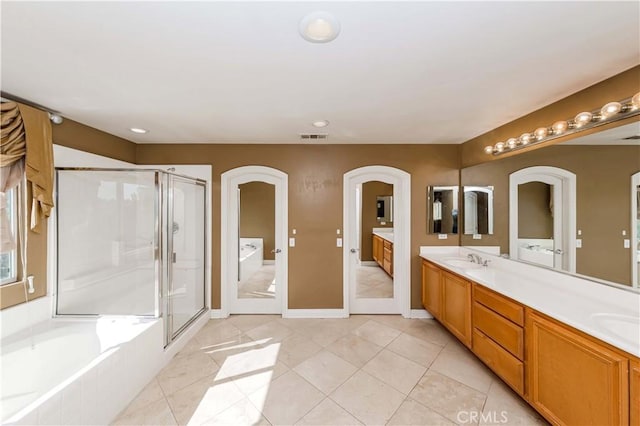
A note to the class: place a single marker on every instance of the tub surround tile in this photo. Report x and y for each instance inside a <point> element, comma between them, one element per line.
<point>370,400</point>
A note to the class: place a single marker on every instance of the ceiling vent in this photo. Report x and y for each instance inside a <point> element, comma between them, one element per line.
<point>632,138</point>
<point>311,137</point>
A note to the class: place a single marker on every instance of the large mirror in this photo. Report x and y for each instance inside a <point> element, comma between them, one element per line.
<point>478,210</point>
<point>570,206</point>
<point>442,209</point>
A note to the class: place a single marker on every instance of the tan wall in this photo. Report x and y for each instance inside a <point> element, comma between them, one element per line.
<point>603,201</point>
<point>78,136</point>
<point>616,88</point>
<point>258,214</point>
<point>370,192</point>
<point>315,202</point>
<point>534,214</point>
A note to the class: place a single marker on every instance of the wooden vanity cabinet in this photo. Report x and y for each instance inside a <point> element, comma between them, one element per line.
<point>634,391</point>
<point>387,257</point>
<point>431,289</point>
<point>573,378</point>
<point>378,249</point>
<point>456,306</point>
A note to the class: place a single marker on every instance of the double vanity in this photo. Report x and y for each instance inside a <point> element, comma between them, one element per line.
<point>569,346</point>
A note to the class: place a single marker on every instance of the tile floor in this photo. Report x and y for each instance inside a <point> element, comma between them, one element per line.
<point>374,370</point>
<point>260,285</point>
<point>373,282</point>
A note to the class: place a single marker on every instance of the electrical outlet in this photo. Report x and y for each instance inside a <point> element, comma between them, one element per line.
<point>292,242</point>
<point>477,236</point>
<point>338,242</point>
<point>578,243</point>
<point>627,243</point>
<point>442,236</point>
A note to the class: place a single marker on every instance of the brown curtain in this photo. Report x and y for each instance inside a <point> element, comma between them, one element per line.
<point>12,153</point>
<point>39,163</point>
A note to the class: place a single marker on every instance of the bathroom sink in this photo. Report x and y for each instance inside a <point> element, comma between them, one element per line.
<point>463,263</point>
<point>625,327</point>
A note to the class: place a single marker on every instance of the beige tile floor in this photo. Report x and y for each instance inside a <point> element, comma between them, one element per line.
<point>373,282</point>
<point>260,285</point>
<point>374,370</point>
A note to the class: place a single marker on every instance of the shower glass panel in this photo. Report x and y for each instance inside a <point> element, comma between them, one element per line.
<point>186,222</point>
<point>131,242</point>
<point>106,242</point>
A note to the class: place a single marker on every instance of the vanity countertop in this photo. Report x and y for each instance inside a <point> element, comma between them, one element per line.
<point>605,312</point>
<point>385,235</point>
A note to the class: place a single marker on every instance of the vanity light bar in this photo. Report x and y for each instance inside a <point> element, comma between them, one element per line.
<point>610,112</point>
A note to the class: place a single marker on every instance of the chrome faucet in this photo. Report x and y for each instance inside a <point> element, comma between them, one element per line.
<point>474,258</point>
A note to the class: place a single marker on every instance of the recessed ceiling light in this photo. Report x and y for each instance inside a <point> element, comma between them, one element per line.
<point>138,130</point>
<point>319,27</point>
<point>320,123</point>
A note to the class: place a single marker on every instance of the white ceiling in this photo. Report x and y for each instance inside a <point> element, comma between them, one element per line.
<point>236,72</point>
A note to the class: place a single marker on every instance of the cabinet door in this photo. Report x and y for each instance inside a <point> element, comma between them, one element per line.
<point>634,377</point>
<point>456,306</point>
<point>375,249</point>
<point>431,294</point>
<point>574,380</point>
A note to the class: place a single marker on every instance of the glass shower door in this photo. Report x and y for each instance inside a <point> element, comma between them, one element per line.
<point>185,287</point>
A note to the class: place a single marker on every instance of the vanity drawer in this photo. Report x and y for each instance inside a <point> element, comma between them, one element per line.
<point>505,365</point>
<point>505,333</point>
<point>387,245</point>
<point>500,304</point>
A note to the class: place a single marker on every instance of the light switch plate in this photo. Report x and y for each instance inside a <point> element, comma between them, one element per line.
<point>338,242</point>
<point>578,243</point>
<point>477,236</point>
<point>442,236</point>
<point>627,243</point>
<point>292,242</point>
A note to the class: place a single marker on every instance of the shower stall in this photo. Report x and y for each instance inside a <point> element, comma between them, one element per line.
<point>131,242</point>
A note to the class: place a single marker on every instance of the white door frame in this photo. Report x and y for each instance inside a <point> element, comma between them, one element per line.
<point>564,223</point>
<point>229,240</point>
<point>635,182</point>
<point>401,182</point>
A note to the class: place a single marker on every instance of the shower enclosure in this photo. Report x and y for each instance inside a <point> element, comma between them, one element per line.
<point>131,242</point>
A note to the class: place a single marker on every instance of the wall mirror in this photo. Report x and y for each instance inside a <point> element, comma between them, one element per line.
<point>478,210</point>
<point>601,240</point>
<point>384,208</point>
<point>442,209</point>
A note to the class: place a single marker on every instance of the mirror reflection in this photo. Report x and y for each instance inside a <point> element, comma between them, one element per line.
<point>374,274</point>
<point>601,240</point>
<point>442,209</point>
<point>256,245</point>
<point>478,210</point>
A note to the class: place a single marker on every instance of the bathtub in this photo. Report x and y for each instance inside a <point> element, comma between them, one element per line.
<point>80,371</point>
<point>538,251</point>
<point>251,257</point>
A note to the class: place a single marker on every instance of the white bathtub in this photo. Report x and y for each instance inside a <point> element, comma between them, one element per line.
<point>251,257</point>
<point>79,371</point>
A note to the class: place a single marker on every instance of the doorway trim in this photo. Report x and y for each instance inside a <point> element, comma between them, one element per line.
<point>229,229</point>
<point>547,174</point>
<point>635,182</point>
<point>401,181</point>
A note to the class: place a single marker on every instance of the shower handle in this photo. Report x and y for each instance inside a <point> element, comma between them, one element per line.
<point>276,251</point>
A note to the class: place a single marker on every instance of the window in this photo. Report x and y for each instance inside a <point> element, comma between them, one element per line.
<point>9,254</point>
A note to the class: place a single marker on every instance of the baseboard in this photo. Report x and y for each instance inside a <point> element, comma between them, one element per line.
<point>420,314</point>
<point>315,313</point>
<point>368,263</point>
<point>216,314</point>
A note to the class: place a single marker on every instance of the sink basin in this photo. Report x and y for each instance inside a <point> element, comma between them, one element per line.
<point>461,263</point>
<point>625,327</point>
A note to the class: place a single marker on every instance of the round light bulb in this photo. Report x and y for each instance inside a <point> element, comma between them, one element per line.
<point>488,149</point>
<point>499,146</point>
<point>559,127</point>
<point>525,138</point>
<point>635,101</point>
<point>319,27</point>
<point>541,133</point>
<point>512,142</point>
<point>583,118</point>
<point>610,109</point>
